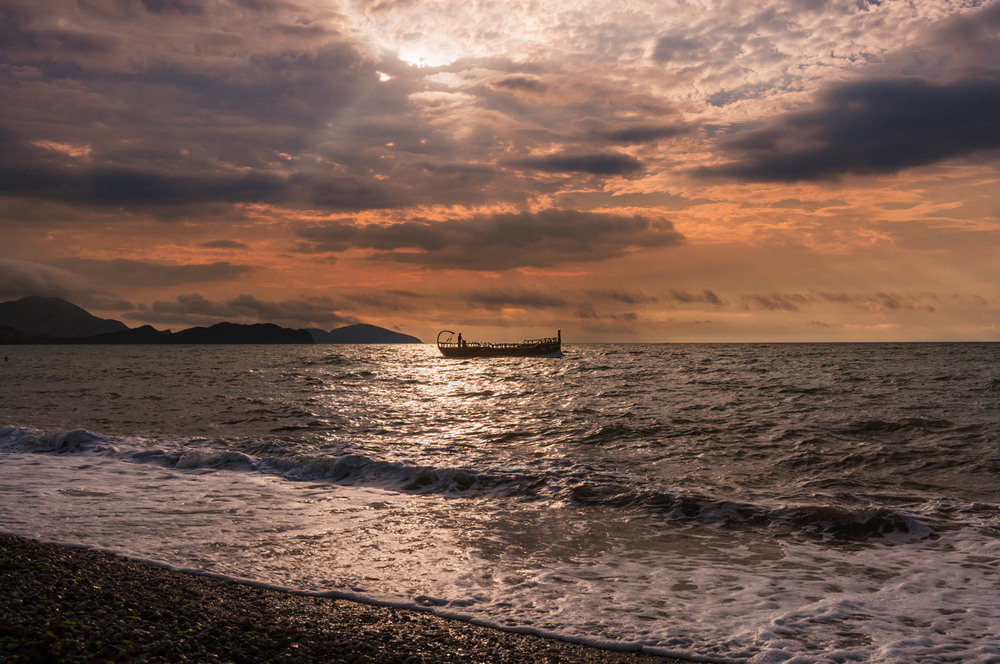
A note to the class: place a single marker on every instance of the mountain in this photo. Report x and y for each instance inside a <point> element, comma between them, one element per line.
<point>54,317</point>
<point>234,333</point>
<point>51,320</point>
<point>10,335</point>
<point>361,333</point>
<point>220,333</point>
<point>147,334</point>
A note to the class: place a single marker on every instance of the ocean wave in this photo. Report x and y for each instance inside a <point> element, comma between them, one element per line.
<point>290,461</point>
<point>17,439</point>
<point>574,484</point>
<point>617,432</point>
<point>827,522</point>
<point>884,427</point>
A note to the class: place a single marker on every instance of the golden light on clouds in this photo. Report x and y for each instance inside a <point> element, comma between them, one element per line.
<point>626,171</point>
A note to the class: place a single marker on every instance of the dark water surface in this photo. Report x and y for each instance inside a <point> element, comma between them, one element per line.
<point>747,502</point>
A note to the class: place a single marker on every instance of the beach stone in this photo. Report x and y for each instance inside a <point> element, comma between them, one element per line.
<point>182,619</point>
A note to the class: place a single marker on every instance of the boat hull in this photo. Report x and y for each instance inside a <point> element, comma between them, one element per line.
<point>548,347</point>
<point>491,350</point>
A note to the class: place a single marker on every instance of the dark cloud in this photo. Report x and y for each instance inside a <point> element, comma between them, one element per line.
<point>866,127</point>
<point>31,171</point>
<point>888,120</point>
<point>141,273</point>
<point>749,91</point>
<point>119,186</point>
<point>601,163</point>
<point>521,84</point>
<point>776,301</point>
<point>19,32</point>
<point>306,310</point>
<point>256,103</point>
<point>189,7</point>
<point>20,278</point>
<point>196,309</point>
<point>499,241</point>
<point>224,244</point>
<point>520,298</point>
<point>379,301</point>
<point>586,311</point>
<point>626,297</point>
<point>881,301</point>
<point>311,87</point>
<point>678,47</point>
<point>643,133</point>
<point>878,301</point>
<point>706,297</point>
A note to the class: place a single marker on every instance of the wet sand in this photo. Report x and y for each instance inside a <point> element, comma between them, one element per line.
<point>67,604</point>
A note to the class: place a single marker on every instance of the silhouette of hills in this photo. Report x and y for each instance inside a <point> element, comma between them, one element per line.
<point>10,335</point>
<point>361,333</point>
<point>55,317</point>
<point>234,333</point>
<point>220,333</point>
<point>52,320</point>
<point>146,334</point>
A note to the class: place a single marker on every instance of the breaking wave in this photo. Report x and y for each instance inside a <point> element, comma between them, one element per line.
<point>578,485</point>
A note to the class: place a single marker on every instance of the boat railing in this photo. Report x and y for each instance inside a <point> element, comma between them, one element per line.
<point>491,344</point>
<point>450,341</point>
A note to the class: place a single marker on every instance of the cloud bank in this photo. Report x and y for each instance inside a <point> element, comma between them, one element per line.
<point>499,241</point>
<point>882,123</point>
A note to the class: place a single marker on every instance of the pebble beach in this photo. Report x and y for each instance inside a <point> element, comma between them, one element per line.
<point>67,604</point>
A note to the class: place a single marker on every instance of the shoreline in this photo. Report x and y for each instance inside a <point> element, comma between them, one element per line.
<point>68,604</point>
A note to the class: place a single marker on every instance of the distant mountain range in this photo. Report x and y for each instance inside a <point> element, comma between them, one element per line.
<point>54,317</point>
<point>51,320</point>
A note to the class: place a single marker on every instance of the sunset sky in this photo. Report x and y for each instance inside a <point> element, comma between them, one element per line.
<point>642,170</point>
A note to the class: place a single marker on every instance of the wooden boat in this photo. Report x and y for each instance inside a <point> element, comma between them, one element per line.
<point>452,347</point>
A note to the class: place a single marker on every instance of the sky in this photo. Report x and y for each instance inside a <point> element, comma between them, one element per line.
<point>625,170</point>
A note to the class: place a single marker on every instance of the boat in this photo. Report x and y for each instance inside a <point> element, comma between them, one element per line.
<point>451,346</point>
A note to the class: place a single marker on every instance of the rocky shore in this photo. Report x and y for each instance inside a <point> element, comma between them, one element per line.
<point>64,604</point>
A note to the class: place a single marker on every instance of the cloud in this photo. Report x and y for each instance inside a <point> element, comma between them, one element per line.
<point>869,127</point>
<point>887,120</point>
<point>195,7</point>
<point>142,273</point>
<point>706,297</point>
<point>776,301</point>
<point>31,173</point>
<point>380,301</point>
<point>625,297</point>
<point>601,163</point>
<point>586,311</point>
<point>20,278</point>
<point>519,298</point>
<point>21,30</point>
<point>196,309</point>
<point>879,301</point>
<point>121,186</point>
<point>500,241</point>
<point>224,244</point>
<point>882,301</point>
<point>643,133</point>
<point>201,103</point>
<point>679,47</point>
<point>521,84</point>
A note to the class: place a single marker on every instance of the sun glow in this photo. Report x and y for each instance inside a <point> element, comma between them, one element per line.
<point>428,54</point>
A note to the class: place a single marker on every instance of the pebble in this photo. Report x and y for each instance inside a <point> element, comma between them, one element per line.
<point>144,613</point>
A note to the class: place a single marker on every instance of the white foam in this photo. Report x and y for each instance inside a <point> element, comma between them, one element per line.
<point>635,584</point>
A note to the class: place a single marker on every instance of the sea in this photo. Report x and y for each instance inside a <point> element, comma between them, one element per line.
<point>736,503</point>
